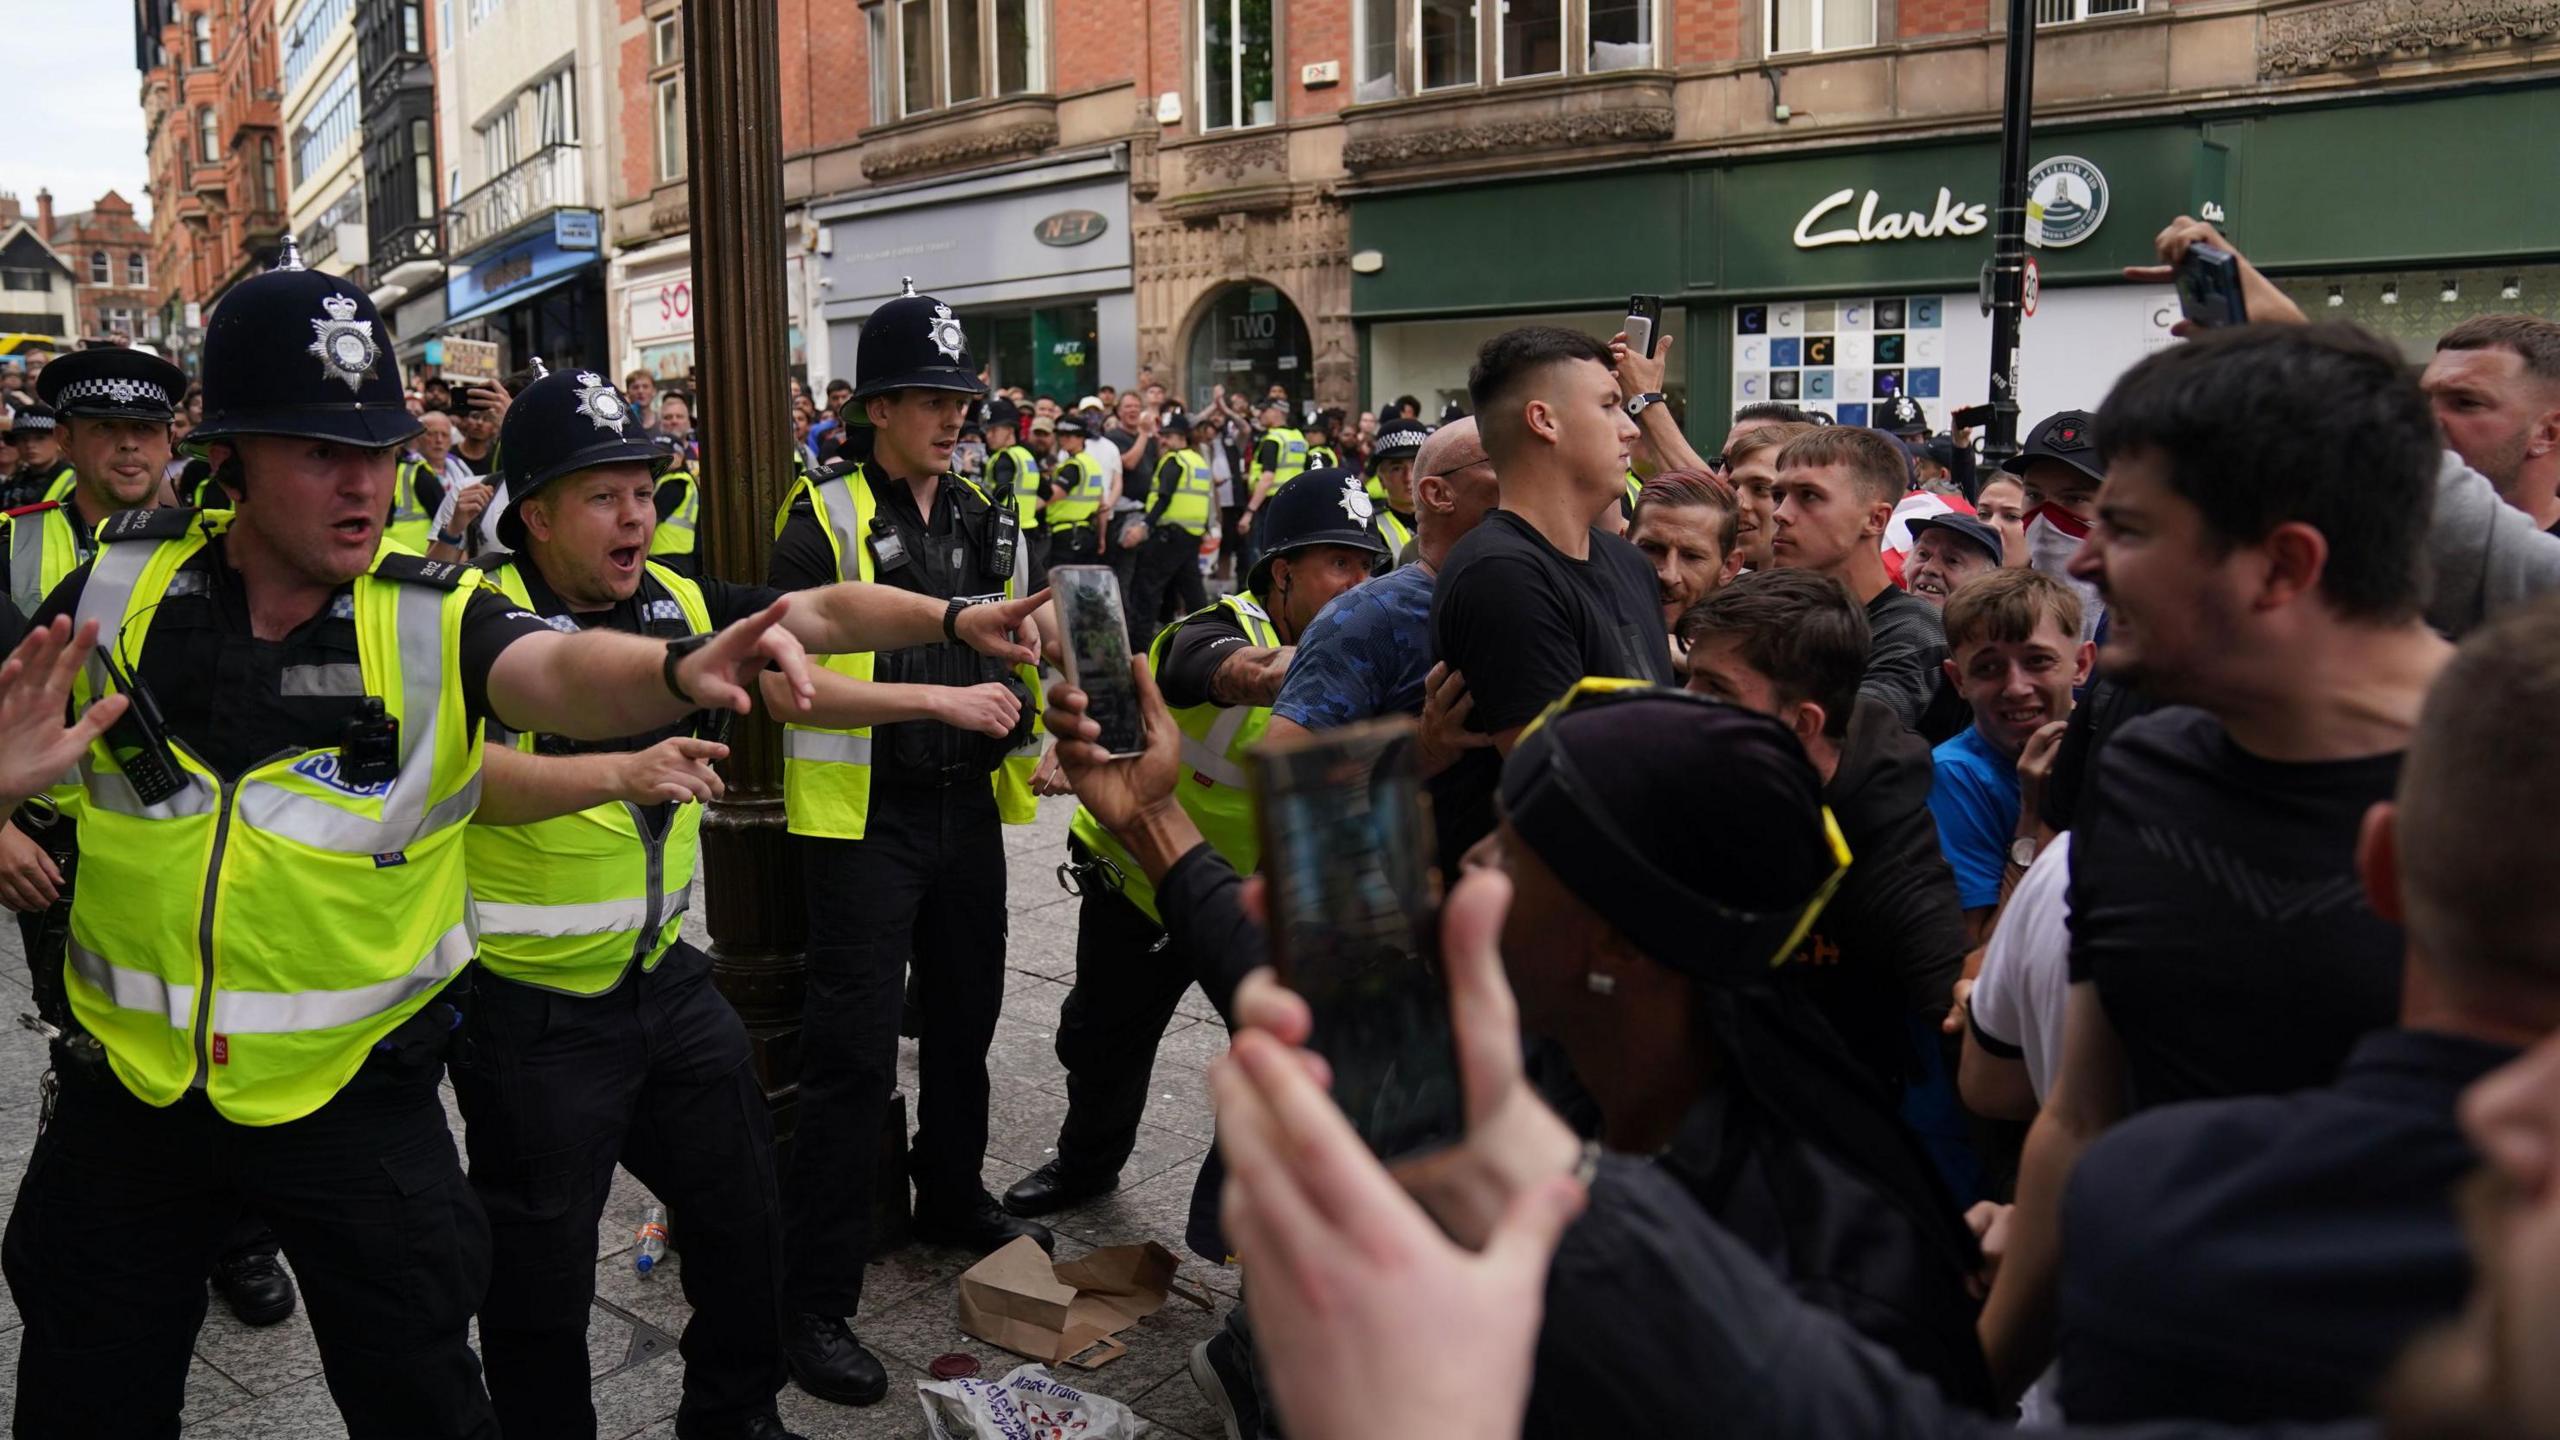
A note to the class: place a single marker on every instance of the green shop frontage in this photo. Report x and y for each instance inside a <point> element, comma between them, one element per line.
<point>1836,279</point>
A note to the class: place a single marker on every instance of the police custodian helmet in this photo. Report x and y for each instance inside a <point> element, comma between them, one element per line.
<point>559,425</point>
<point>296,352</point>
<point>1319,507</point>
<point>913,343</point>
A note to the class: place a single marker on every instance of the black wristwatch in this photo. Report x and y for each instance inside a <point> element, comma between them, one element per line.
<point>951,618</point>
<point>676,651</point>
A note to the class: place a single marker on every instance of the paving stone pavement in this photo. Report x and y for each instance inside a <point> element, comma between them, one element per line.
<point>267,1384</point>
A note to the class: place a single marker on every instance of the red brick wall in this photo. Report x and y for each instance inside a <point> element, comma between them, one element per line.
<point>1103,42</point>
<point>1318,30</point>
<point>1944,17</point>
<point>1704,32</point>
<point>633,120</point>
<point>826,80</point>
<point>1167,66</point>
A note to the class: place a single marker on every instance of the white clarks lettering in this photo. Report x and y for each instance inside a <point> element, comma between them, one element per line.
<point>1949,217</point>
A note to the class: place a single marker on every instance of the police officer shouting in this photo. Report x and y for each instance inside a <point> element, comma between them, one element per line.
<point>1219,670</point>
<point>1182,505</point>
<point>904,857</point>
<point>272,914</point>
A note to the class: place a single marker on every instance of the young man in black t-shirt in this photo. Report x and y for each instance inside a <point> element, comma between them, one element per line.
<point>1534,598</point>
<point>2261,576</point>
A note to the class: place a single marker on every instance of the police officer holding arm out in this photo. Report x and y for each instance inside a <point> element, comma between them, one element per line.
<point>901,841</point>
<point>272,920</point>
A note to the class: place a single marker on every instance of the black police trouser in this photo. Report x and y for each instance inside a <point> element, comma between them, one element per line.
<point>1168,564</point>
<point>1073,545</point>
<point>1035,561</point>
<point>655,1075</point>
<point>927,884</point>
<point>1129,978</point>
<point>124,1205</point>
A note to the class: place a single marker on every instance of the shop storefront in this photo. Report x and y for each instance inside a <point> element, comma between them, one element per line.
<point>1033,259</point>
<point>540,292</point>
<point>1838,280</point>
<point>653,310</point>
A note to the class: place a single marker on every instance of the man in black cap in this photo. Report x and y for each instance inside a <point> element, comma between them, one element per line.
<point>2060,471</point>
<point>598,1037</point>
<point>273,915</point>
<point>1946,551</point>
<point>901,840</point>
<point>1182,506</point>
<point>41,467</point>
<point>1391,458</point>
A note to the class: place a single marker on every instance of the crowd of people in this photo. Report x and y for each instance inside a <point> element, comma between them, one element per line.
<point>1928,945</point>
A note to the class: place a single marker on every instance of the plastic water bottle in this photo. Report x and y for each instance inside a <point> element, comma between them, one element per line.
<point>653,1242</point>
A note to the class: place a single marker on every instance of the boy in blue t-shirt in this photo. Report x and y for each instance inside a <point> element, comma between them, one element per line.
<point>2014,654</point>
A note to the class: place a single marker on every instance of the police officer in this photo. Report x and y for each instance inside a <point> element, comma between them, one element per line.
<point>1082,498</point>
<point>41,468</point>
<point>1013,469</point>
<point>1278,457</point>
<point>1903,418</point>
<point>271,919</point>
<point>1391,483</point>
<point>1219,670</point>
<point>1321,454</point>
<point>1182,506</point>
<point>904,856</point>
<point>679,506</point>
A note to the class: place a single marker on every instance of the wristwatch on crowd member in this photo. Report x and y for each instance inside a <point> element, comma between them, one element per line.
<point>1637,405</point>
<point>2022,851</point>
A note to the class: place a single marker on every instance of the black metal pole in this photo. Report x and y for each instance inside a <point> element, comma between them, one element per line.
<point>2009,234</point>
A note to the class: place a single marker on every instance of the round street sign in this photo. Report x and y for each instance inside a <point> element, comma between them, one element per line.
<point>2027,292</point>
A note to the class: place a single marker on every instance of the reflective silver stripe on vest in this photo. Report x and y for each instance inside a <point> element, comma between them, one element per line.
<point>26,562</point>
<point>274,810</point>
<point>837,496</point>
<point>284,1012</point>
<point>322,681</point>
<point>1208,755</point>
<point>826,746</point>
<point>599,917</point>
<point>134,989</point>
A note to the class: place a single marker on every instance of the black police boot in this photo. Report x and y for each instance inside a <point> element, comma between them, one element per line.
<point>755,1427</point>
<point>830,1364</point>
<point>1055,1186</point>
<point>255,1287</point>
<point>977,1224</point>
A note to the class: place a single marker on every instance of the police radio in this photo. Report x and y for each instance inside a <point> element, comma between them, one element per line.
<point>140,737</point>
<point>1008,541</point>
<point>369,748</point>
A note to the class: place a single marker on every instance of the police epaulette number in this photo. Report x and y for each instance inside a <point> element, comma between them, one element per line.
<point>419,570</point>
<point>166,522</point>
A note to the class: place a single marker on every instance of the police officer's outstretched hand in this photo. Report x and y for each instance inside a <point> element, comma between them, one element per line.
<point>989,709</point>
<point>1004,629</point>
<point>36,743</point>
<point>718,676</point>
<point>1124,792</point>
<point>671,772</point>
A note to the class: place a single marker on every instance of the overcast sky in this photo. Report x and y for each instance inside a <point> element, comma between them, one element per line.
<point>78,103</point>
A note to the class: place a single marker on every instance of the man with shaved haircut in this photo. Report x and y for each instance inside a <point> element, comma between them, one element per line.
<point>1835,492</point>
<point>2495,387</point>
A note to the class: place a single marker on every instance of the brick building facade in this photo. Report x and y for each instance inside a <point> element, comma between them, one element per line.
<point>210,88</point>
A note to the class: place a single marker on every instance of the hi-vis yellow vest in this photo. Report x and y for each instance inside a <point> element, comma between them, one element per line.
<point>412,526</point>
<point>1026,482</point>
<point>1215,791</point>
<point>1195,490</point>
<point>1081,476</point>
<point>826,774</point>
<point>253,937</point>
<point>676,533</point>
<point>571,902</point>
<point>59,488</point>
<point>44,546</point>
<point>1392,529</point>
<point>1293,459</point>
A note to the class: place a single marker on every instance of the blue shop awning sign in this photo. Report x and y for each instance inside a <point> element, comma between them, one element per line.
<point>530,262</point>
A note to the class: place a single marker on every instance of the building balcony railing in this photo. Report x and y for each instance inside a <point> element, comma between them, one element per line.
<point>552,178</point>
<point>423,241</point>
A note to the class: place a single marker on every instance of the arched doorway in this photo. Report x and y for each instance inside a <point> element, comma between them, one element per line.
<point>1248,337</point>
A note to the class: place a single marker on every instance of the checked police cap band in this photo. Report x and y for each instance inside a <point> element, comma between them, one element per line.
<point>113,383</point>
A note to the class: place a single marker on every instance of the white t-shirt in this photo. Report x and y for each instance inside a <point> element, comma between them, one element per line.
<point>2025,984</point>
<point>1106,455</point>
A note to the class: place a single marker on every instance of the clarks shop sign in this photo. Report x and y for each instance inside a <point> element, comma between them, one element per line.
<point>2066,200</point>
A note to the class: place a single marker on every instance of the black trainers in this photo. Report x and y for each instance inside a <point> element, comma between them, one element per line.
<point>255,1287</point>
<point>1054,1187</point>
<point>1223,1370</point>
<point>829,1363</point>
<point>977,1224</point>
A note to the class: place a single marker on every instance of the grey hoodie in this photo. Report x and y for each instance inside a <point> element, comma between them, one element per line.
<point>2483,554</point>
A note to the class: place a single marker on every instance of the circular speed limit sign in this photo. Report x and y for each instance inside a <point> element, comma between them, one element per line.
<point>2027,292</point>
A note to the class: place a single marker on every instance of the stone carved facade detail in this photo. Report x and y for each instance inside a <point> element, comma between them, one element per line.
<point>1236,159</point>
<point>1622,125</point>
<point>2369,32</point>
<point>1303,248</point>
<point>1029,137</point>
<point>1143,165</point>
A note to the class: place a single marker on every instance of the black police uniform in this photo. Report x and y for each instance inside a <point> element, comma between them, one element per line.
<point>925,885</point>
<point>1166,571</point>
<point>30,481</point>
<point>654,1074</point>
<point>124,1203</point>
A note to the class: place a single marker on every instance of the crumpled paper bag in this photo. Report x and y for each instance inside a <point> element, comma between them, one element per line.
<point>1018,1299</point>
<point>1027,1404</point>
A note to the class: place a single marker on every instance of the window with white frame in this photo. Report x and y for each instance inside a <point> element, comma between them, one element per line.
<point>671,136</point>
<point>1411,47</point>
<point>1798,25</point>
<point>208,136</point>
<point>1444,42</point>
<point>328,127</point>
<point>1374,42</point>
<point>666,39</point>
<point>137,271</point>
<point>931,54</point>
<point>2057,12</point>
<point>1618,35</point>
<point>422,167</point>
<point>1532,38</point>
<point>1237,64</point>
<point>309,36</point>
<point>444,24</point>
<point>101,270</point>
<point>498,151</point>
<point>200,38</point>
<point>555,108</point>
<point>266,177</point>
<point>483,9</point>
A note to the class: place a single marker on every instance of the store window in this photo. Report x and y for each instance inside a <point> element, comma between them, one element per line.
<point>1048,351</point>
<point>952,52</point>
<point>1236,64</point>
<point>137,272</point>
<point>1797,25</point>
<point>1407,47</point>
<point>1249,338</point>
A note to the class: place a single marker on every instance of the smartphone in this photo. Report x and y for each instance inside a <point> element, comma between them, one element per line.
<point>1097,653</point>
<point>1346,848</point>
<point>2209,288</point>
<point>1971,417</point>
<point>1644,323</point>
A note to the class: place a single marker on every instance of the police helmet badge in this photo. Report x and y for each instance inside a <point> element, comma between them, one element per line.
<point>944,331</point>
<point>345,345</point>
<point>1355,502</point>
<point>598,402</point>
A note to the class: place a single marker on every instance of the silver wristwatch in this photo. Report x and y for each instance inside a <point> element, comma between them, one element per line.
<point>1637,405</point>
